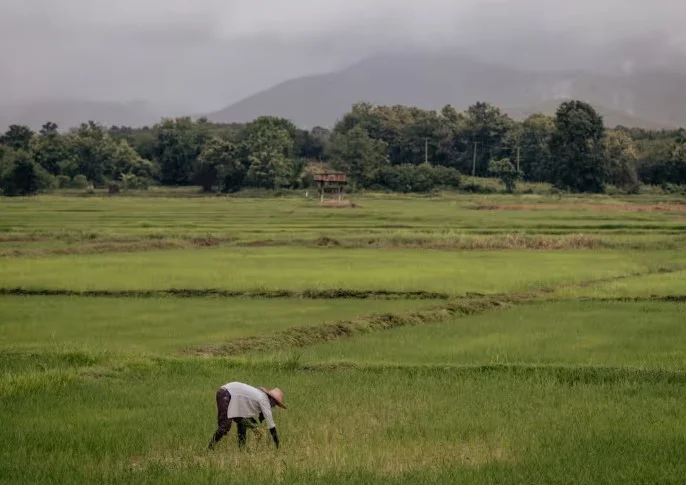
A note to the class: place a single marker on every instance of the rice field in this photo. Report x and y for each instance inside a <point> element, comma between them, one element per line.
<point>440,339</point>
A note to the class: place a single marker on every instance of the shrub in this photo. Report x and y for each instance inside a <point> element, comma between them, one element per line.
<point>417,178</point>
<point>23,176</point>
<point>474,188</point>
<point>63,182</point>
<point>79,182</point>
<point>506,172</point>
<point>447,177</point>
<point>113,188</point>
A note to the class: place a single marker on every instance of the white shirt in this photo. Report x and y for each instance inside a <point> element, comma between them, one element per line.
<point>248,402</point>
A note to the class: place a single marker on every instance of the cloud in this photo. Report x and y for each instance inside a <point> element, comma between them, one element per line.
<point>206,53</point>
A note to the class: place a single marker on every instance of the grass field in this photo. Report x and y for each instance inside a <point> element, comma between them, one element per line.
<point>62,225</point>
<point>163,325</point>
<point>245,269</point>
<point>440,339</point>
<point>641,335</point>
<point>660,285</point>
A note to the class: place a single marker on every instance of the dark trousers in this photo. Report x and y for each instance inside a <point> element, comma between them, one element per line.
<point>223,421</point>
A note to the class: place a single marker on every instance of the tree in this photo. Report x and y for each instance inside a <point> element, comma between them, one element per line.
<point>22,176</point>
<point>49,128</point>
<point>89,153</point>
<point>125,160</point>
<point>417,178</point>
<point>406,131</point>
<point>621,158</point>
<point>534,144</point>
<point>314,144</point>
<point>452,138</point>
<point>266,150</point>
<point>17,137</point>
<point>506,172</point>
<point>143,140</point>
<point>358,155</point>
<point>577,149</point>
<point>219,166</point>
<point>486,128</point>
<point>94,153</point>
<point>676,166</point>
<point>178,143</point>
<point>50,149</point>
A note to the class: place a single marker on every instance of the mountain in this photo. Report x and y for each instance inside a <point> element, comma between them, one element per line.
<point>649,98</point>
<point>71,113</point>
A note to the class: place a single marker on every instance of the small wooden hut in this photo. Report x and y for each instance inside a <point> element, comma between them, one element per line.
<point>331,183</point>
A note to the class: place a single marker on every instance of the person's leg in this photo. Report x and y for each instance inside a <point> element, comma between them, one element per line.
<point>242,431</point>
<point>223,422</point>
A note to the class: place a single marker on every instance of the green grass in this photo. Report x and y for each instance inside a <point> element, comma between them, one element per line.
<point>151,425</point>
<point>642,335</point>
<point>381,219</point>
<point>163,325</point>
<point>661,285</point>
<point>299,269</point>
<point>121,390</point>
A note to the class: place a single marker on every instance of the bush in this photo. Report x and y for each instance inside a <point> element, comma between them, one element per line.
<point>79,182</point>
<point>134,182</point>
<point>417,178</point>
<point>506,172</point>
<point>673,189</point>
<point>474,188</point>
<point>23,176</point>
<point>63,182</point>
<point>447,177</point>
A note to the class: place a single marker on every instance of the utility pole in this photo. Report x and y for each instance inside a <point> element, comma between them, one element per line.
<point>517,159</point>
<point>474,162</point>
<point>426,150</point>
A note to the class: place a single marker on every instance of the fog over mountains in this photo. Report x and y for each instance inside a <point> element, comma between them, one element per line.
<point>652,97</point>
<point>309,61</point>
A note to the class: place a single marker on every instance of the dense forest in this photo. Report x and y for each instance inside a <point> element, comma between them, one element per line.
<point>393,148</point>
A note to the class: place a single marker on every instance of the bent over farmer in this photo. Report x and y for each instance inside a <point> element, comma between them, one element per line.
<point>241,403</point>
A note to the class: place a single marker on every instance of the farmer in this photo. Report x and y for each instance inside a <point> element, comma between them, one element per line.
<point>242,403</point>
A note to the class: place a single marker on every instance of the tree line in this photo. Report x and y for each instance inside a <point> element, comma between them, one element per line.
<point>396,148</point>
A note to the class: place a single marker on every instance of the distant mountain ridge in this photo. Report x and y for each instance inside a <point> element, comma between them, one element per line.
<point>627,93</point>
<point>650,98</point>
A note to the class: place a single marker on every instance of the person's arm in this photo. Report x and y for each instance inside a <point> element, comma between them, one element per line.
<point>275,436</point>
<point>266,415</point>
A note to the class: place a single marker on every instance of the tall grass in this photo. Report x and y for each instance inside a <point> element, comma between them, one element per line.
<point>346,427</point>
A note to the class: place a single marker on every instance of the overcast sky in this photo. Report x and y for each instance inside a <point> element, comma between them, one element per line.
<point>204,54</point>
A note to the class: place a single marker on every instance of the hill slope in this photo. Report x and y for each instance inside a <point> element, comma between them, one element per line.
<point>433,79</point>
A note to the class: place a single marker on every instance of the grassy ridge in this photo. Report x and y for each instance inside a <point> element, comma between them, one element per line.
<point>642,335</point>
<point>305,336</point>
<point>672,284</point>
<point>164,325</point>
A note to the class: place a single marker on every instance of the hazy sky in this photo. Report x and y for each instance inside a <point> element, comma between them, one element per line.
<point>204,54</point>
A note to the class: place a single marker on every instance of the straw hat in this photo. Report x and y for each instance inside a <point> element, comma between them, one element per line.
<point>276,394</point>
